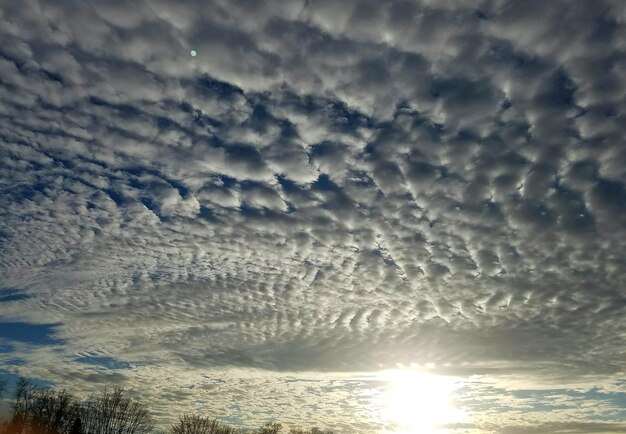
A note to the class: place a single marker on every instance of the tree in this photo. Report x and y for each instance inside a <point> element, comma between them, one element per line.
<point>313,430</point>
<point>41,411</point>
<point>271,428</point>
<point>113,412</point>
<point>77,426</point>
<point>194,424</point>
<point>53,412</point>
<point>21,406</point>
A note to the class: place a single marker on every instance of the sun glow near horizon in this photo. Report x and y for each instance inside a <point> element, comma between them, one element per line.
<point>418,402</point>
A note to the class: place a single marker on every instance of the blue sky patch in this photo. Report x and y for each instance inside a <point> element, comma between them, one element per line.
<point>36,334</point>
<point>10,294</point>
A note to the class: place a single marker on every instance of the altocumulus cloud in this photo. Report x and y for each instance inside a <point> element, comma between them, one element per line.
<point>325,187</point>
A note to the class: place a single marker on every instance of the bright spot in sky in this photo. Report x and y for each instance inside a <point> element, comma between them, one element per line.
<point>421,403</point>
<point>193,53</point>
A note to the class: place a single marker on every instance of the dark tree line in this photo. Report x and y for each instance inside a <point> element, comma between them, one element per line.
<point>194,424</point>
<point>35,410</point>
<point>47,411</point>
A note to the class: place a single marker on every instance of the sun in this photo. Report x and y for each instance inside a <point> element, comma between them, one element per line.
<point>421,403</point>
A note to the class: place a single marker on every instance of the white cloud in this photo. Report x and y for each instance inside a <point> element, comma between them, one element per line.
<point>326,187</point>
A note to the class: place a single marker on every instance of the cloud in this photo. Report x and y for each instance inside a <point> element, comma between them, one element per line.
<point>569,428</point>
<point>326,187</point>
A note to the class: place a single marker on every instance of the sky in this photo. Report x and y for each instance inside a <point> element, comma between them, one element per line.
<point>382,216</point>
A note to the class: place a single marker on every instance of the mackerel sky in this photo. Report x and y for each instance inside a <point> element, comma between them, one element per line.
<point>251,210</point>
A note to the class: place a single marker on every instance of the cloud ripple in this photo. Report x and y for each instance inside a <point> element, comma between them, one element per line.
<point>327,186</point>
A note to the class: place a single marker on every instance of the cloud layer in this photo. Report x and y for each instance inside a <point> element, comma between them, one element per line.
<point>330,187</point>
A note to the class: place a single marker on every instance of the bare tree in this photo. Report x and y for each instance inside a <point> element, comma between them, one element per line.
<point>77,426</point>
<point>271,428</point>
<point>41,411</point>
<point>53,412</point>
<point>113,412</point>
<point>194,424</point>
<point>313,430</point>
<point>21,406</point>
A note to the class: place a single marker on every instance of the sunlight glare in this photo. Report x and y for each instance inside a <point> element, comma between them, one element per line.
<point>421,403</point>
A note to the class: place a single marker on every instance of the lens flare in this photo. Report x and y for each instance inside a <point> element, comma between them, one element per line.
<point>421,403</point>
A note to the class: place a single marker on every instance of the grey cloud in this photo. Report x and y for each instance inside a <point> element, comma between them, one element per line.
<point>326,186</point>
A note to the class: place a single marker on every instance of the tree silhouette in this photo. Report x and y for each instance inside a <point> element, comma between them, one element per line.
<point>113,412</point>
<point>313,430</point>
<point>41,411</point>
<point>77,427</point>
<point>194,424</point>
<point>21,405</point>
<point>52,412</point>
<point>271,428</point>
